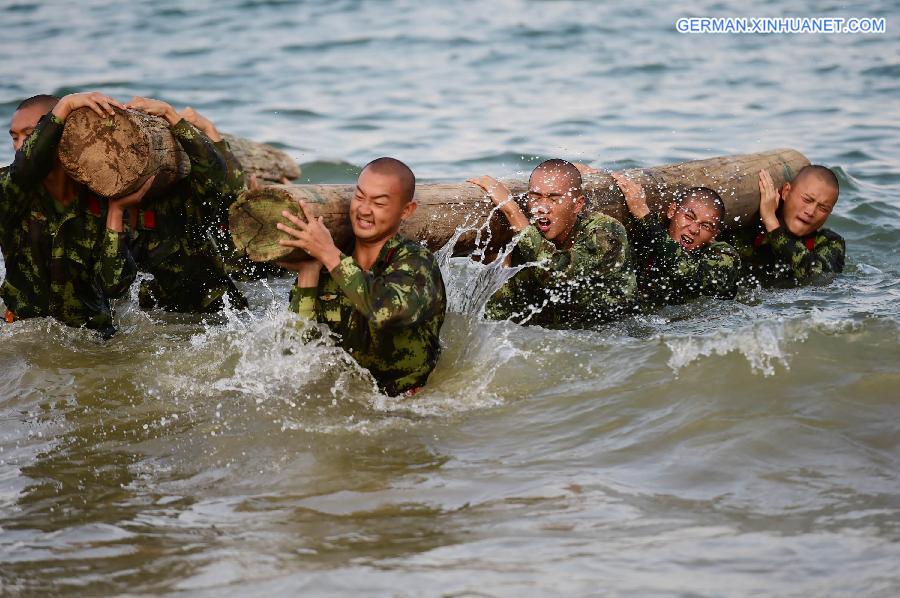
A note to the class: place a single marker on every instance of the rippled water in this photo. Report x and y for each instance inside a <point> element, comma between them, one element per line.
<point>715,449</point>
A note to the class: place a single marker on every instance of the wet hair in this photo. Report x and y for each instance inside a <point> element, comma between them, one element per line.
<point>47,102</point>
<point>704,195</point>
<point>823,173</point>
<point>396,168</point>
<point>563,167</point>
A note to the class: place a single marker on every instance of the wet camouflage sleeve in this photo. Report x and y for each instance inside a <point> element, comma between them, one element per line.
<point>580,287</point>
<point>303,301</point>
<point>235,180</point>
<point>209,171</point>
<point>402,296</point>
<point>32,164</point>
<point>114,267</point>
<point>827,254</point>
<point>712,271</point>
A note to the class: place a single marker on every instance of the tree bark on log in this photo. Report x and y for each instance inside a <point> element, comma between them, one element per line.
<point>269,164</point>
<point>115,155</point>
<point>444,208</point>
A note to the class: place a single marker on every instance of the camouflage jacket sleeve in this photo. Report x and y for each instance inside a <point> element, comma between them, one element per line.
<point>32,164</point>
<point>208,168</point>
<point>402,296</point>
<point>827,255</point>
<point>303,301</point>
<point>114,268</point>
<point>712,271</point>
<point>235,180</point>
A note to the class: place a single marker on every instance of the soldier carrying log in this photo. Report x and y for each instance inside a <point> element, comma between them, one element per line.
<point>64,247</point>
<point>172,234</point>
<point>385,301</point>
<point>788,244</point>
<point>682,261</point>
<point>576,269</point>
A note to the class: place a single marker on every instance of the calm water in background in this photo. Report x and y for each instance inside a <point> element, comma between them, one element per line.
<point>716,449</point>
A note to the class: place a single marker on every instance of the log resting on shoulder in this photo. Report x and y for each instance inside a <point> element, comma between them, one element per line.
<point>114,156</point>
<point>445,208</point>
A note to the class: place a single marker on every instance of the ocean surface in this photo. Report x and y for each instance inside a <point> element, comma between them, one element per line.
<point>715,449</point>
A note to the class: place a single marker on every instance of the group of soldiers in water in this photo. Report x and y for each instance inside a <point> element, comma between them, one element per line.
<point>68,252</point>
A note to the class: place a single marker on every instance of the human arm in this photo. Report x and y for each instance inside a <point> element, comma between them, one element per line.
<point>499,194</point>
<point>234,180</point>
<point>306,286</point>
<point>635,198</point>
<point>769,200</point>
<point>208,167</point>
<point>33,162</point>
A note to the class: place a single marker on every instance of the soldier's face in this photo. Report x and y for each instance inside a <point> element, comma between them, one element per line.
<point>807,205</point>
<point>693,224</point>
<point>554,205</point>
<point>377,208</point>
<point>23,123</point>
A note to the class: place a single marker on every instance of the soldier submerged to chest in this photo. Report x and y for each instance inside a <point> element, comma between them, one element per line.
<point>65,250</point>
<point>682,261</point>
<point>173,230</point>
<point>789,245</point>
<point>576,270</point>
<point>386,302</point>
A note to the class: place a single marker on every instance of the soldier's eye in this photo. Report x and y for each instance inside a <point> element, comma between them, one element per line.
<point>707,227</point>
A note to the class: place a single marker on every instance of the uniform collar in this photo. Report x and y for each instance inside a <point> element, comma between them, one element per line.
<point>387,251</point>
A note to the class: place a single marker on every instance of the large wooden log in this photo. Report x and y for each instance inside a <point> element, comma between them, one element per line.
<point>269,164</point>
<point>115,155</point>
<point>445,208</point>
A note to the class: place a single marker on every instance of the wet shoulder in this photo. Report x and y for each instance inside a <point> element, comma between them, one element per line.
<point>601,224</point>
<point>722,248</point>
<point>829,236</point>
<point>720,254</point>
<point>412,254</point>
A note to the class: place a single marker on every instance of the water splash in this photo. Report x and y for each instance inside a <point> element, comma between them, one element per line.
<point>469,281</point>
<point>763,344</point>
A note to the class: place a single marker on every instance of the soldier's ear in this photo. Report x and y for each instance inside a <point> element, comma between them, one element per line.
<point>670,213</point>
<point>785,189</point>
<point>408,210</point>
<point>580,202</point>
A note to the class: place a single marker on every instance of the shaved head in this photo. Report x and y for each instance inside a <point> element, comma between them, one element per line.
<point>397,169</point>
<point>561,170</point>
<point>822,173</point>
<point>45,102</point>
<point>703,195</point>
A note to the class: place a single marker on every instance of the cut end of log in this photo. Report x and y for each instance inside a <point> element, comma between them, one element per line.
<point>252,221</point>
<point>115,155</point>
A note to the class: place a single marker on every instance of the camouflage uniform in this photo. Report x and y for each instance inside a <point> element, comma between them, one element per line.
<point>173,240</point>
<point>575,288</point>
<point>61,261</point>
<point>780,257</point>
<point>669,274</point>
<point>388,319</point>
